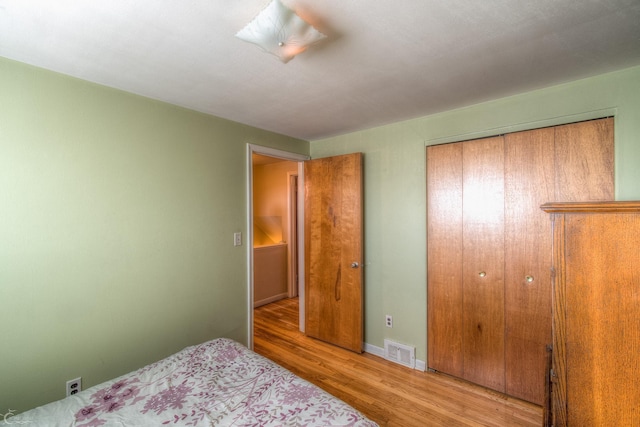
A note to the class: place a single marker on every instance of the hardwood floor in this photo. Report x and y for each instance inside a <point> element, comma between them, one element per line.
<point>387,393</point>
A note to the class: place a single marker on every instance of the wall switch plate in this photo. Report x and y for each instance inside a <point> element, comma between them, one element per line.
<point>237,239</point>
<point>74,386</point>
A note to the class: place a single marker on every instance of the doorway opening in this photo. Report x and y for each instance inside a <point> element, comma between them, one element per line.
<point>275,243</point>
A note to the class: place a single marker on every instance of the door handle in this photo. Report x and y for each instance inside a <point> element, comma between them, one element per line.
<point>355,265</point>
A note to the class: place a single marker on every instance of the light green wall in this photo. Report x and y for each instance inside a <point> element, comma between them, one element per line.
<point>395,189</point>
<point>117,216</point>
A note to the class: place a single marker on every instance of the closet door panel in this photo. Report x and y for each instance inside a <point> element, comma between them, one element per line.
<point>529,182</point>
<point>444,254</point>
<point>483,267</point>
<point>584,159</point>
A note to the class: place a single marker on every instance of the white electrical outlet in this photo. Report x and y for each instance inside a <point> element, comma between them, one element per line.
<point>74,386</point>
<point>237,239</point>
<point>388,320</point>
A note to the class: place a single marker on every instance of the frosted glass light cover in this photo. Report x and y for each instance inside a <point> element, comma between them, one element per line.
<point>279,31</point>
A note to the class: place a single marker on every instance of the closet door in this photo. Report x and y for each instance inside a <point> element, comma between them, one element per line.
<point>529,182</point>
<point>444,254</point>
<point>465,269</point>
<point>483,266</point>
<point>489,279</point>
<point>584,158</point>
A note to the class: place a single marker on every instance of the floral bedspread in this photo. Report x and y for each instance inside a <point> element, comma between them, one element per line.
<point>218,383</point>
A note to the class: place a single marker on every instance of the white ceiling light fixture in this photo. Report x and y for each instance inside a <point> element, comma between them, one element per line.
<point>279,31</point>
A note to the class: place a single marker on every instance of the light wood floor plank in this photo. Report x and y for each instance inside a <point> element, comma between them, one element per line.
<point>388,393</point>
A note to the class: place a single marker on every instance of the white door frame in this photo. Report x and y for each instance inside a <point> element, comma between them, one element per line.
<point>292,253</point>
<point>284,155</point>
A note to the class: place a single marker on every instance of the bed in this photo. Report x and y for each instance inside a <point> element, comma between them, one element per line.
<point>217,383</point>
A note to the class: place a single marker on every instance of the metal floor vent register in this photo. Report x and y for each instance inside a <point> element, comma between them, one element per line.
<point>400,353</point>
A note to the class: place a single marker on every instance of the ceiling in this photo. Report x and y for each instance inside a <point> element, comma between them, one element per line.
<point>382,62</point>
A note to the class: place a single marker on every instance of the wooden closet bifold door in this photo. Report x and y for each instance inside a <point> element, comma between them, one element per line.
<point>444,251</point>
<point>584,161</point>
<point>466,260</point>
<point>483,262</point>
<point>529,182</point>
<point>488,245</point>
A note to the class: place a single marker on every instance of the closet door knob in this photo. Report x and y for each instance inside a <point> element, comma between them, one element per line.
<point>355,265</point>
<point>482,274</point>
<point>529,279</point>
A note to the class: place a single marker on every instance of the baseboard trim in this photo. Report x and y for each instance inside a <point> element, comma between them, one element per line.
<point>269,300</point>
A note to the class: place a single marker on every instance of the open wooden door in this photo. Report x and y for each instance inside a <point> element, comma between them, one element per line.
<point>333,250</point>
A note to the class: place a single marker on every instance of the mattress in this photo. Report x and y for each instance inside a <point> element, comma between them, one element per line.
<point>217,383</point>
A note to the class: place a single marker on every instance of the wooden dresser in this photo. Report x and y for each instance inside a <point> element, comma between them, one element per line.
<point>595,376</point>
